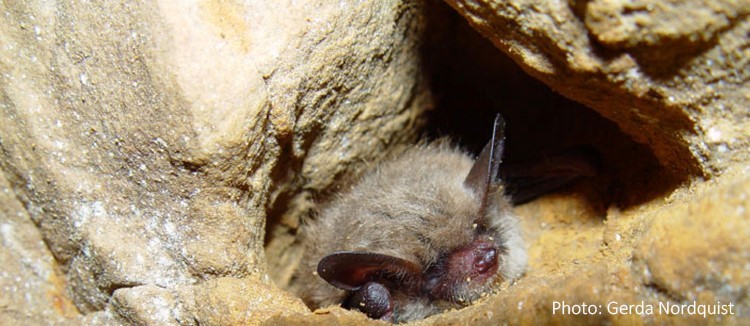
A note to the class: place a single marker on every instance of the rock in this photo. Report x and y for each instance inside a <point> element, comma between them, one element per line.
<point>220,301</point>
<point>663,71</point>
<point>699,250</point>
<point>148,305</point>
<point>157,158</point>
<point>669,251</point>
<point>148,142</point>
<point>31,283</point>
<point>325,316</point>
<point>620,24</point>
<point>230,301</point>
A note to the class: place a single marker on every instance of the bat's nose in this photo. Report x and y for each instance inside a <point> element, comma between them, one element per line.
<point>485,258</point>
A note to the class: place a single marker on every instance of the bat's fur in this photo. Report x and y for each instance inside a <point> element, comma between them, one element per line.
<point>415,207</point>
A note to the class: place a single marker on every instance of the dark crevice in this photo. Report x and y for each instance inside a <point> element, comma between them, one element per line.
<point>663,292</point>
<point>111,288</point>
<point>287,173</point>
<point>472,81</point>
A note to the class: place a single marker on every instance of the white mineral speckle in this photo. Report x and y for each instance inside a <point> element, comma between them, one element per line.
<point>713,134</point>
<point>84,78</point>
<point>162,309</point>
<point>87,211</point>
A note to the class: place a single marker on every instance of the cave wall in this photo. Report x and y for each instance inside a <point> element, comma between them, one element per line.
<point>145,143</point>
<point>157,157</point>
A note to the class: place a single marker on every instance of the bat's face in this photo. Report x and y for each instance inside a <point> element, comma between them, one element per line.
<point>429,230</point>
<point>490,252</point>
<point>464,273</point>
<point>466,241</point>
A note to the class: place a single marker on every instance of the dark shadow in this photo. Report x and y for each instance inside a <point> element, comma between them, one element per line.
<point>472,80</point>
<point>287,174</point>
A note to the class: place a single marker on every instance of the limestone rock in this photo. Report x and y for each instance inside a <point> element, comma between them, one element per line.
<point>148,305</point>
<point>664,71</point>
<point>31,283</point>
<point>699,251</point>
<point>229,301</point>
<point>670,251</point>
<point>627,24</point>
<point>148,141</point>
<point>221,301</point>
<point>157,157</point>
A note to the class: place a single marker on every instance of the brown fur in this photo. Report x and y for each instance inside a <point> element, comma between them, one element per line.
<point>413,207</point>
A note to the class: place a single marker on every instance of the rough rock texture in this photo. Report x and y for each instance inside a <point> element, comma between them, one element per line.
<point>157,157</point>
<point>32,286</point>
<point>221,301</point>
<point>619,241</point>
<point>690,246</point>
<point>148,142</point>
<point>671,74</point>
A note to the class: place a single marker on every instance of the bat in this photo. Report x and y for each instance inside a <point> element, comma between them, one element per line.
<point>427,231</point>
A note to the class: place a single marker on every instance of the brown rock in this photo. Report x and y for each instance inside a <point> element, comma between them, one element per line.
<point>149,141</point>
<point>220,301</point>
<point>230,301</point>
<point>699,250</point>
<point>661,70</point>
<point>625,24</point>
<point>31,283</point>
<point>157,157</point>
<point>583,262</point>
<point>148,305</point>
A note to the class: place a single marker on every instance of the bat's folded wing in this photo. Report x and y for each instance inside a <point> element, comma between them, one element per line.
<point>528,180</point>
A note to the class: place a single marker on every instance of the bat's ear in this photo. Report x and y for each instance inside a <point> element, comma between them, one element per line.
<point>483,176</point>
<point>349,270</point>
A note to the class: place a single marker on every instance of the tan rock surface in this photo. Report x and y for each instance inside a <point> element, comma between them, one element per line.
<point>157,157</point>
<point>149,140</point>
<point>29,276</point>
<point>671,74</point>
<point>221,301</point>
<point>688,247</point>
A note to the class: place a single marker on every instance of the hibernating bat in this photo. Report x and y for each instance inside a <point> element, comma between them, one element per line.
<point>424,232</point>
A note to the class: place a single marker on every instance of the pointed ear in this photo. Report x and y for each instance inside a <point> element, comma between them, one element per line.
<point>349,270</point>
<point>483,176</point>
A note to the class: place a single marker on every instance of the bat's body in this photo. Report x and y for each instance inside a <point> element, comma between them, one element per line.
<point>426,231</point>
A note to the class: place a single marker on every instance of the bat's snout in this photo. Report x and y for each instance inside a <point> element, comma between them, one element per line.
<point>485,258</point>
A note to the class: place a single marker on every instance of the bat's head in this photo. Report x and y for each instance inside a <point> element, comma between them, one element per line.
<point>463,243</point>
<point>494,249</point>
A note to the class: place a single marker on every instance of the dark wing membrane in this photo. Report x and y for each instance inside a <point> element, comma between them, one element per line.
<point>349,270</point>
<point>528,180</point>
